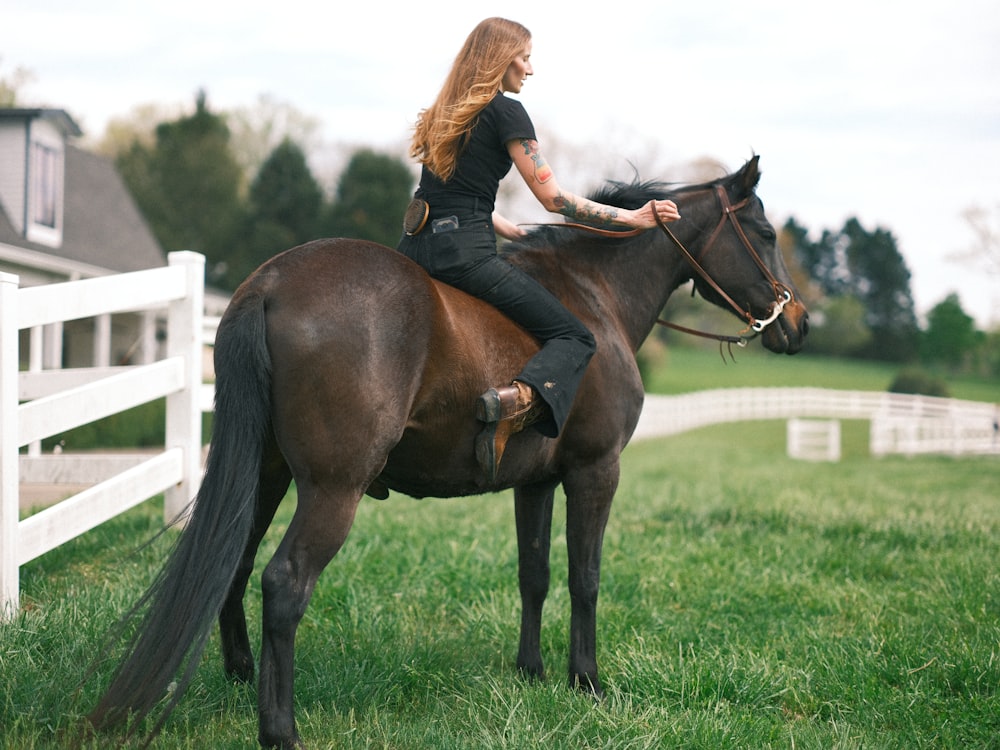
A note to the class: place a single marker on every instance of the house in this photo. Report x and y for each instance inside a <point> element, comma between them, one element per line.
<point>66,214</point>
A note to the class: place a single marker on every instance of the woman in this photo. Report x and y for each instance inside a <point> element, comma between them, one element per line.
<point>466,142</point>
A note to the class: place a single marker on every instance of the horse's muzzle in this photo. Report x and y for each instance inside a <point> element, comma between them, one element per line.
<point>788,333</point>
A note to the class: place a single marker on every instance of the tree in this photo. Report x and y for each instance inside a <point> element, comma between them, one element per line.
<point>881,280</point>
<point>11,85</point>
<point>284,210</point>
<point>868,267</point>
<point>371,198</point>
<point>840,330</point>
<point>951,335</point>
<point>790,237</point>
<point>286,193</point>
<point>139,125</point>
<point>985,250</point>
<point>188,185</point>
<point>258,130</point>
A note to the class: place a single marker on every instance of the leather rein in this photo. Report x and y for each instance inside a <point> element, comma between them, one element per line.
<point>782,294</point>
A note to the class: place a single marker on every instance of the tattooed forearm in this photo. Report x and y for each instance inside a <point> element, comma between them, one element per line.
<point>586,211</point>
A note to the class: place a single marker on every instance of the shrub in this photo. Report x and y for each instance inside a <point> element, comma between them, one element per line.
<point>915,380</point>
<point>140,427</point>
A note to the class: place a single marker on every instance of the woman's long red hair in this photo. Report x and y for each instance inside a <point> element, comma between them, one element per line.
<point>474,80</point>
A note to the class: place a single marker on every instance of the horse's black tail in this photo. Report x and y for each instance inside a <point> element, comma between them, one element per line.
<point>179,609</point>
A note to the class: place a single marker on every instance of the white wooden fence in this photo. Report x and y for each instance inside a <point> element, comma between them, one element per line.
<point>900,423</point>
<point>36,405</point>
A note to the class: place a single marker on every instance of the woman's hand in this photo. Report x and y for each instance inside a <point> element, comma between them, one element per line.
<point>645,217</point>
<point>506,228</point>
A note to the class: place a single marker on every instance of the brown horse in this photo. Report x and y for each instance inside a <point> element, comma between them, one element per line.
<point>342,365</point>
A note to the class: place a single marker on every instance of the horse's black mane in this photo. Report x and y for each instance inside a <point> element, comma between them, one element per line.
<point>638,192</point>
<point>632,194</point>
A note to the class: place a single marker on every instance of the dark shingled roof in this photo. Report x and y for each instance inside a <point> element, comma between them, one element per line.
<point>102,225</point>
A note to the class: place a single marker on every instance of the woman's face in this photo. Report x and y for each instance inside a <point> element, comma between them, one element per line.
<point>517,71</point>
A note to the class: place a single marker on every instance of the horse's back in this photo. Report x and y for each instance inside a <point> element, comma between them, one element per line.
<point>329,274</point>
<point>363,295</point>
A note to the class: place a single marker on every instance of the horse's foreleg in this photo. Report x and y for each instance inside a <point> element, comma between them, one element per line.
<point>588,504</point>
<point>533,513</point>
<point>318,529</point>
<point>237,656</point>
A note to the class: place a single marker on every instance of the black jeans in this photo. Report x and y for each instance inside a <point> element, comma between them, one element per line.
<point>466,258</point>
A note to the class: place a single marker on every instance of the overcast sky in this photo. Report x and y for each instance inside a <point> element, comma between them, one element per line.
<point>885,110</point>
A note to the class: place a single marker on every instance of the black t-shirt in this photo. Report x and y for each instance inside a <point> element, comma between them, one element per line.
<point>484,161</point>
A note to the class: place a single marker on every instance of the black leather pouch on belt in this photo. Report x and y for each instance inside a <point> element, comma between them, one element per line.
<point>415,218</point>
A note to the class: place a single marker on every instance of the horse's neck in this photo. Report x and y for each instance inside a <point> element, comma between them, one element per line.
<point>650,277</point>
<point>630,282</point>
<point>658,267</point>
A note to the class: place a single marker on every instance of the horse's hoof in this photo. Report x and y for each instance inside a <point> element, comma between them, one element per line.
<point>293,743</point>
<point>240,670</point>
<point>587,684</point>
<point>532,673</point>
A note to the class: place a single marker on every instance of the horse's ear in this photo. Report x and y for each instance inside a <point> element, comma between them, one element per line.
<point>751,174</point>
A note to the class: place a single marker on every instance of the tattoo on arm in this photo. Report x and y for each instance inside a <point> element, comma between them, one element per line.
<point>567,204</point>
<point>586,211</point>
<point>543,172</point>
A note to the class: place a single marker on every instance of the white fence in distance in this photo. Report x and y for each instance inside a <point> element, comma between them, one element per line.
<point>38,404</point>
<point>813,439</point>
<point>900,423</point>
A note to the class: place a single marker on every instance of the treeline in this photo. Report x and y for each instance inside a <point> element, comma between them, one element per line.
<point>858,287</point>
<point>196,195</point>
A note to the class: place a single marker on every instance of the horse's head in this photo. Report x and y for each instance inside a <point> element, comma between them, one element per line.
<point>744,271</point>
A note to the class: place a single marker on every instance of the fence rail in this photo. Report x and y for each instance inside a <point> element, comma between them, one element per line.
<point>900,423</point>
<point>35,405</point>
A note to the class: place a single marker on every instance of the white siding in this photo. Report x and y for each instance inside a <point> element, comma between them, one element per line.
<point>12,172</point>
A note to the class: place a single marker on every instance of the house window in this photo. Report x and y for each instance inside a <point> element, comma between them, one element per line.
<point>44,186</point>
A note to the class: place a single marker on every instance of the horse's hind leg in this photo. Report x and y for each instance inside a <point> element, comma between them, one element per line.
<point>237,656</point>
<point>533,513</point>
<point>317,531</point>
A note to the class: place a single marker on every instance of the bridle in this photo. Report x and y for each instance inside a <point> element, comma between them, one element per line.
<point>782,294</point>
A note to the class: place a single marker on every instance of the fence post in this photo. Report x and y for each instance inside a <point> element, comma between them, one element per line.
<point>813,439</point>
<point>184,339</point>
<point>9,489</point>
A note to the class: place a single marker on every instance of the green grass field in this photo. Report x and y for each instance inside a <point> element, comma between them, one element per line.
<point>748,601</point>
